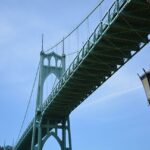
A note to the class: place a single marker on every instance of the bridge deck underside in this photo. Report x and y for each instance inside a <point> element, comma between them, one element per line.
<point>126,36</point>
<point>123,39</point>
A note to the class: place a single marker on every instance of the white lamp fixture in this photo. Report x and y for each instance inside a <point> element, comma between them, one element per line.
<point>145,78</point>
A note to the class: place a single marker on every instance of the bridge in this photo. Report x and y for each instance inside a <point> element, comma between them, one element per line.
<point>121,34</point>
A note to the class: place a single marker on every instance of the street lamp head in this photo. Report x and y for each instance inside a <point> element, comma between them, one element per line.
<point>145,78</point>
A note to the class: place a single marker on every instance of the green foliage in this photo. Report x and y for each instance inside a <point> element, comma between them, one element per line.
<point>6,148</point>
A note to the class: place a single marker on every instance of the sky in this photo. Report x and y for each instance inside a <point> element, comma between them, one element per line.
<point>116,116</point>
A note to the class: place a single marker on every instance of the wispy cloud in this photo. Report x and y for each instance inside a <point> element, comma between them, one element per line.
<point>111,96</point>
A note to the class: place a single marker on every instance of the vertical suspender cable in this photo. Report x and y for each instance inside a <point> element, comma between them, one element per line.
<point>78,39</point>
<point>84,20</point>
<point>88,31</point>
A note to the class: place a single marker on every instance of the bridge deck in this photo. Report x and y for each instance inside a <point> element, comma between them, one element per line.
<point>122,33</point>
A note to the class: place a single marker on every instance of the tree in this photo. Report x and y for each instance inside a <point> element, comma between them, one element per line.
<point>1,148</point>
<point>6,148</point>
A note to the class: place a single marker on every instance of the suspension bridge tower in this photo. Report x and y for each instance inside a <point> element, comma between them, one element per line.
<point>46,69</point>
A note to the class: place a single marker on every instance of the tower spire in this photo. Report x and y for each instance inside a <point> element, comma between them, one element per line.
<point>63,47</point>
<point>42,42</point>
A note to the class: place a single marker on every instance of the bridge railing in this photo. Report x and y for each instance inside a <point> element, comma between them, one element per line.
<point>24,134</point>
<point>97,34</point>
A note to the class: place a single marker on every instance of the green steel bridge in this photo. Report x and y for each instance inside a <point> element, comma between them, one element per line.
<point>122,33</point>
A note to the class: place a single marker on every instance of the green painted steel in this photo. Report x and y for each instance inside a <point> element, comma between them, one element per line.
<point>120,35</point>
<point>45,69</point>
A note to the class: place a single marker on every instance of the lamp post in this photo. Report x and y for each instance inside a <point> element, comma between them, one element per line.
<point>145,78</point>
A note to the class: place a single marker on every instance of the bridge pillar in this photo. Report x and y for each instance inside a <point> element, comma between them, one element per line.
<point>39,137</point>
<point>46,68</point>
<point>63,139</point>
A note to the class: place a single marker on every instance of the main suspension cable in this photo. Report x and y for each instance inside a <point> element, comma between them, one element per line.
<point>76,26</point>
<point>29,101</point>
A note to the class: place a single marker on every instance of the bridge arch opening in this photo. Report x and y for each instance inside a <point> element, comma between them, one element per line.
<point>51,143</point>
<point>49,84</point>
<point>53,61</point>
<point>59,63</point>
<point>45,62</point>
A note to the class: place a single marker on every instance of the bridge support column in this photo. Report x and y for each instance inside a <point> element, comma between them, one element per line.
<point>66,131</point>
<point>39,137</point>
<point>63,139</point>
<point>46,68</point>
<point>37,133</point>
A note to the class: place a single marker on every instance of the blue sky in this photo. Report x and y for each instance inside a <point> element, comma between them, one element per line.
<point>116,116</point>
